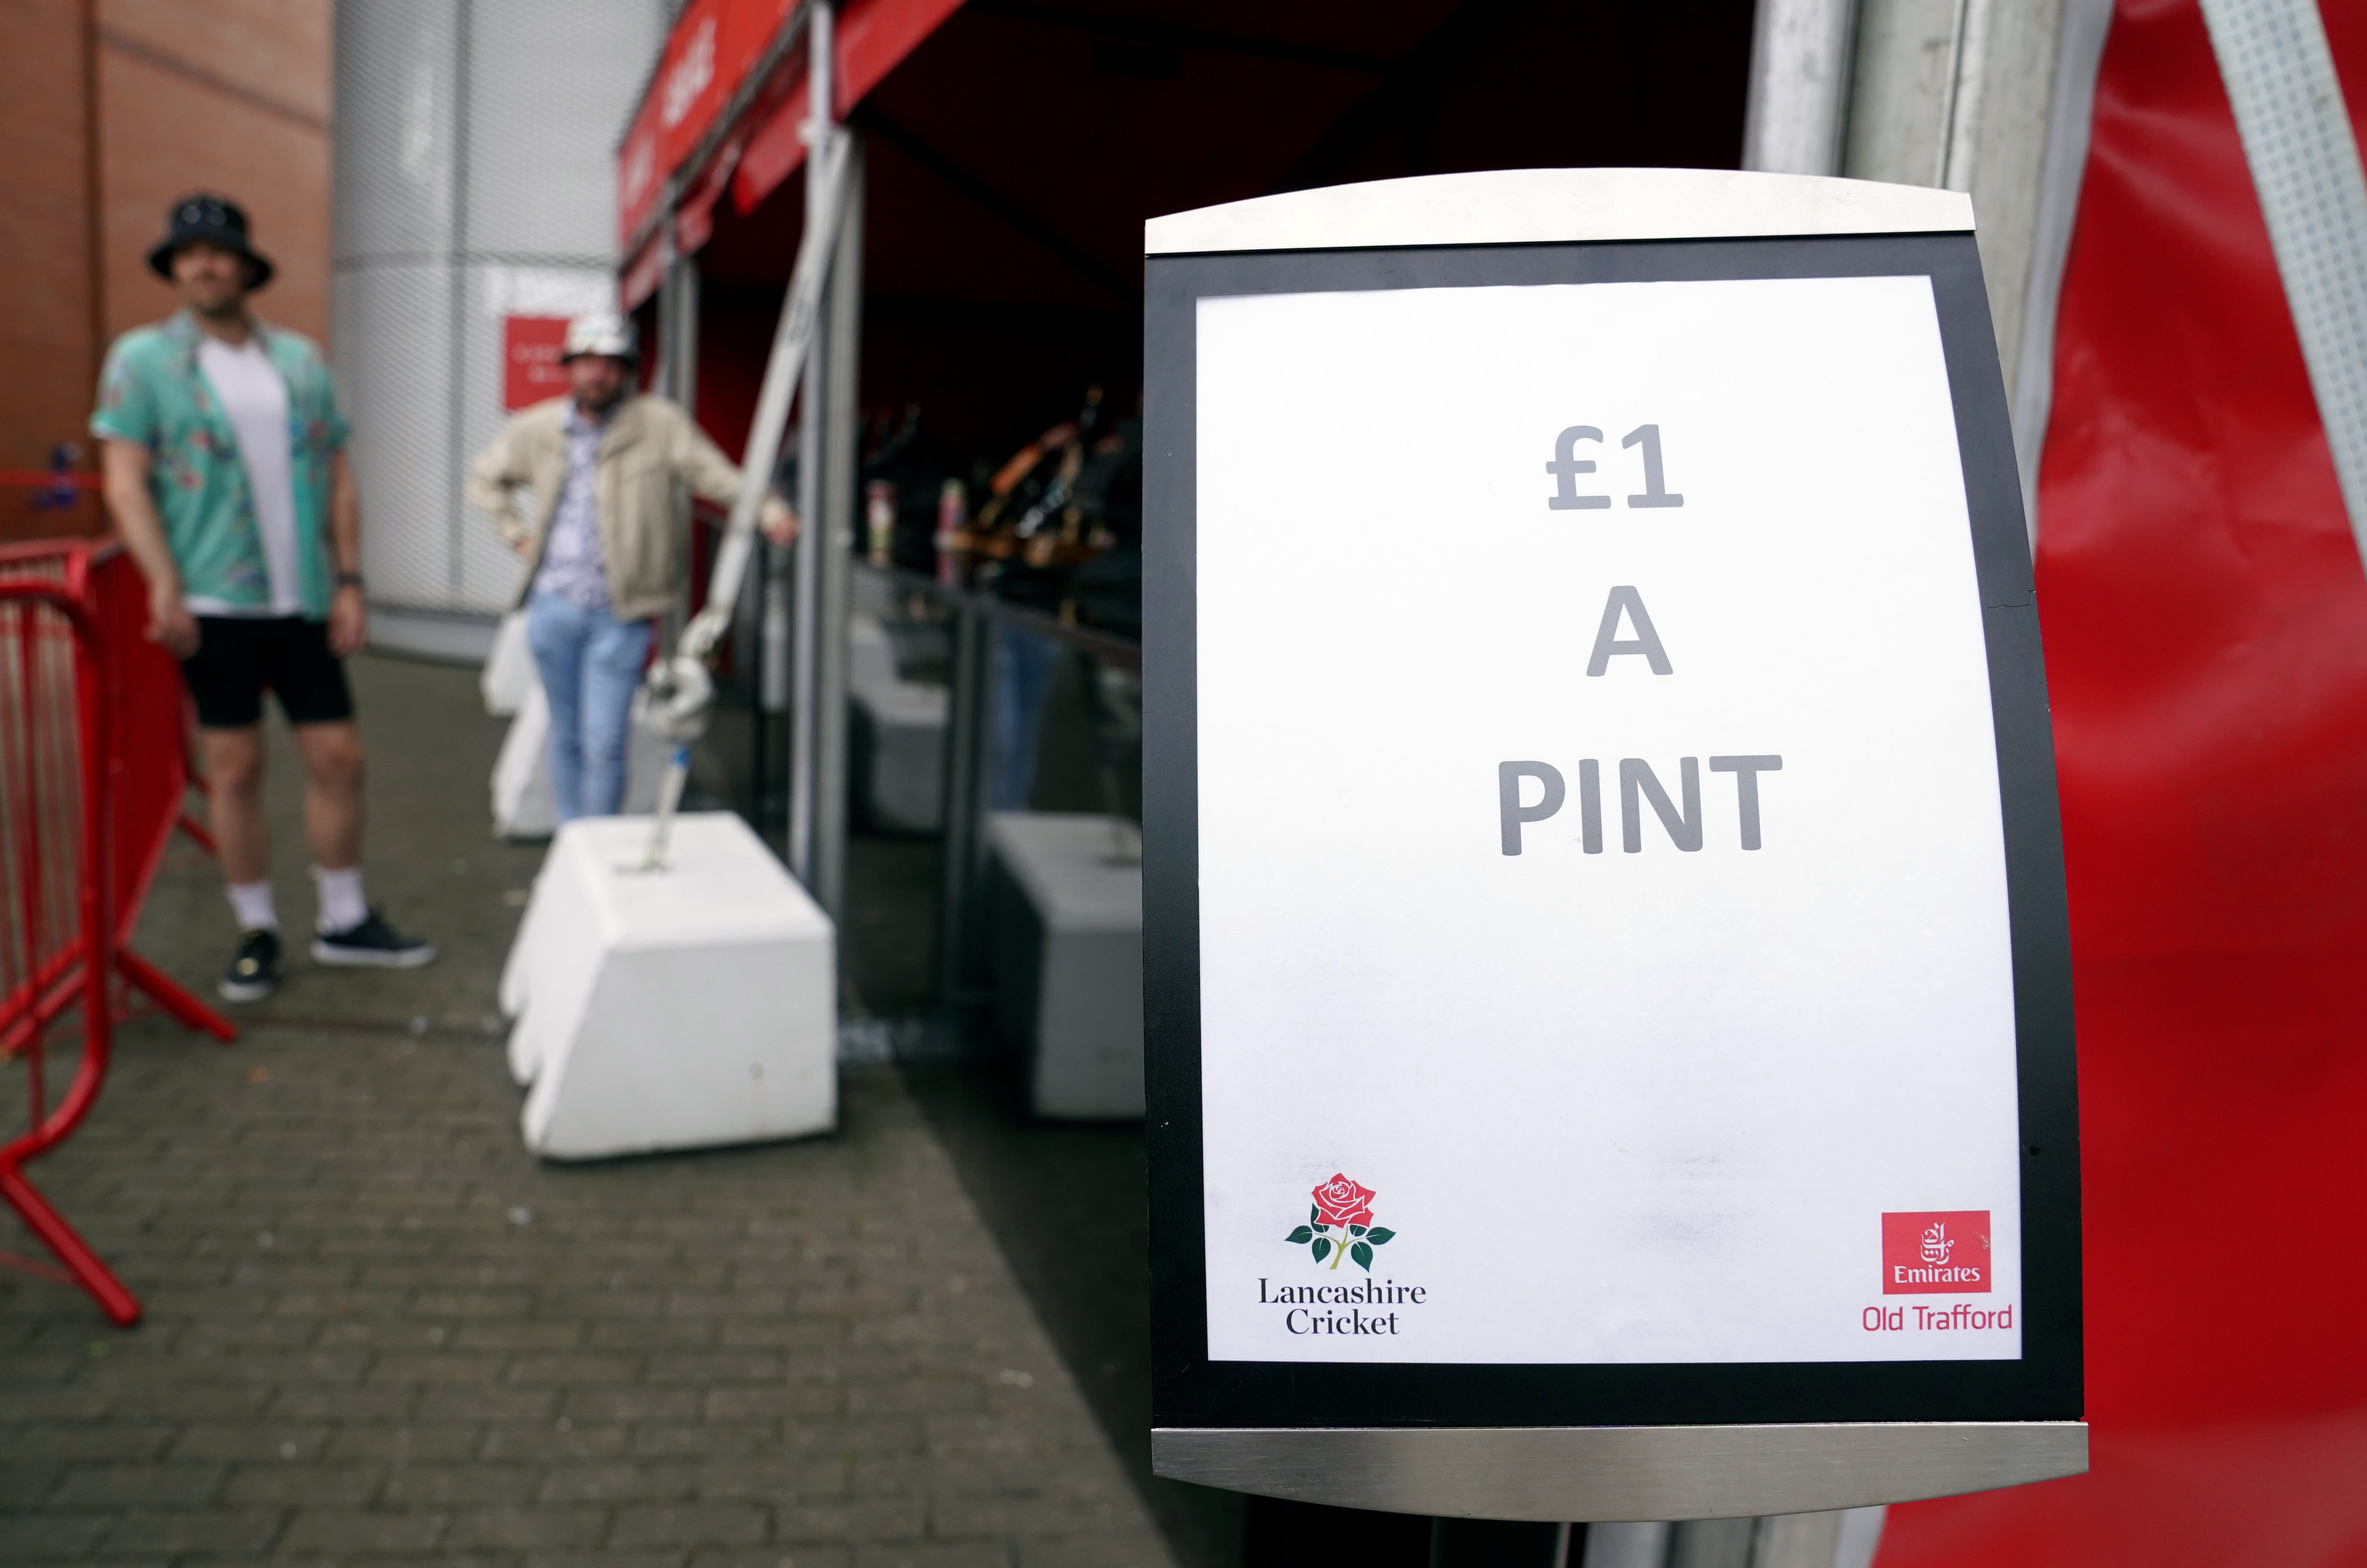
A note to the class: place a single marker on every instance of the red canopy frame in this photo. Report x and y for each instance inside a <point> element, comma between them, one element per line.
<point>1015,147</point>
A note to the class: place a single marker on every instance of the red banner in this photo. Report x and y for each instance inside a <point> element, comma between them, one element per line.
<point>708,55</point>
<point>638,183</point>
<point>872,38</point>
<point>712,47</point>
<point>2206,650</point>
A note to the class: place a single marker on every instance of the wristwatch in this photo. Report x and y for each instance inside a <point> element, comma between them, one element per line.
<point>349,580</point>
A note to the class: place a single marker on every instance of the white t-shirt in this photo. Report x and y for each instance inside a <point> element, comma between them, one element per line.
<point>255,399</point>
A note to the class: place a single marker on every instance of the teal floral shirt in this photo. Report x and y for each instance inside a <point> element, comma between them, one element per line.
<point>152,394</point>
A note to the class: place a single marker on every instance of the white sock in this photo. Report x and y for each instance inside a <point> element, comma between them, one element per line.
<point>251,902</point>
<point>342,904</point>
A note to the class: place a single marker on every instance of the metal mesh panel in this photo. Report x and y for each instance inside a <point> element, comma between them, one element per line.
<point>394,363</point>
<point>398,102</point>
<point>2304,163</point>
<point>550,82</point>
<point>495,121</point>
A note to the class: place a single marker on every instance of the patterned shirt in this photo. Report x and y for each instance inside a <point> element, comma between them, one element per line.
<point>154,394</point>
<point>573,569</point>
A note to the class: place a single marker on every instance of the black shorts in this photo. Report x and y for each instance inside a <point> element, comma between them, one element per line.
<point>238,656</point>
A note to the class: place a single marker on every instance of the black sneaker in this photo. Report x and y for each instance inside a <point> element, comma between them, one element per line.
<point>254,972</point>
<point>373,944</point>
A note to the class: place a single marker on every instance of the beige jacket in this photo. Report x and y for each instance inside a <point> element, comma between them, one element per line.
<point>652,454</point>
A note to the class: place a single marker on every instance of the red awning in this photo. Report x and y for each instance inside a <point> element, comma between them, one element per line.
<point>711,55</point>
<point>714,45</point>
<point>872,38</point>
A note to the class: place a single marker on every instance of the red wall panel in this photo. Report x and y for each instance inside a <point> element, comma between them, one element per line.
<point>2205,617</point>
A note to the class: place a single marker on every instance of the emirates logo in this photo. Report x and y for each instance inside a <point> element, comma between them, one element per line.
<point>1932,1253</point>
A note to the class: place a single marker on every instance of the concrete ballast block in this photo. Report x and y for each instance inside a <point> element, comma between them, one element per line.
<point>524,807</point>
<point>898,756</point>
<point>1068,959</point>
<point>509,669</point>
<point>897,739</point>
<point>676,1008</point>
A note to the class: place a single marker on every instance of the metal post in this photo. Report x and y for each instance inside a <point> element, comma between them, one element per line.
<point>805,622</point>
<point>773,675</point>
<point>677,366</point>
<point>1798,107</point>
<point>662,382</point>
<point>805,667</point>
<point>966,720</point>
<point>840,458</point>
<point>677,374</point>
<point>1642,1545</point>
<point>1842,1540</point>
<point>769,660</point>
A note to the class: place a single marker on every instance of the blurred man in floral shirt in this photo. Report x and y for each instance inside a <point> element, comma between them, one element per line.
<point>226,475</point>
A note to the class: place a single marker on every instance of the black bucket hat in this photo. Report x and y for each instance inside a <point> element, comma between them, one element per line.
<point>217,221</point>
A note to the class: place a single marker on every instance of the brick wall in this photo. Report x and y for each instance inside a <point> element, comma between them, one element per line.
<point>48,306</point>
<point>173,95</point>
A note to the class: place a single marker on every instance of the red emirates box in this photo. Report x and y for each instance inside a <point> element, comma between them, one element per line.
<point>1936,1254</point>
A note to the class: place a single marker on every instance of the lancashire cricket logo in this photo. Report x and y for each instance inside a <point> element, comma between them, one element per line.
<point>1340,1225</point>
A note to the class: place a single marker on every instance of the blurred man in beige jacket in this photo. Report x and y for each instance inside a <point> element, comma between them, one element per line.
<point>606,543</point>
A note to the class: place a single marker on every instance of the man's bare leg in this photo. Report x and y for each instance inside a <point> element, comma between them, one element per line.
<point>332,754</point>
<point>233,760</point>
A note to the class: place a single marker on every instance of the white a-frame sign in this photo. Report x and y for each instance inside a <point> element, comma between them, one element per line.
<point>1608,993</point>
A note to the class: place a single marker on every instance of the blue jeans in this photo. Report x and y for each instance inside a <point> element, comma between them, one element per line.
<point>590,662</point>
<point>1022,679</point>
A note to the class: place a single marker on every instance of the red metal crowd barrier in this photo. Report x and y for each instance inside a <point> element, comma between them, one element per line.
<point>93,764</point>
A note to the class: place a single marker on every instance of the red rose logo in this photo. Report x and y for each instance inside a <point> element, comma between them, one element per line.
<point>1341,1225</point>
<point>1341,1202</point>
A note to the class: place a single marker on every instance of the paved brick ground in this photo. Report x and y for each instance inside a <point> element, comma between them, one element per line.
<point>379,1330</point>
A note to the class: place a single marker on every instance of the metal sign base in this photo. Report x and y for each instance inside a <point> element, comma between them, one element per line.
<point>1585,1473</point>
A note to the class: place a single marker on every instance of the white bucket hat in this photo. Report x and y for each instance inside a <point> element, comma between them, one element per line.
<point>601,332</point>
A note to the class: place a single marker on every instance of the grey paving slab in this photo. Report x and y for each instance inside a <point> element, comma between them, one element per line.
<point>379,1329</point>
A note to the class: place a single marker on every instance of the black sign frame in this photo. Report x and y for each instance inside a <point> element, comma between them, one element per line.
<point>1188,1389</point>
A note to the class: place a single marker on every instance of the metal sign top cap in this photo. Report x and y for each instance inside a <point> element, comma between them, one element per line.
<point>1514,207</point>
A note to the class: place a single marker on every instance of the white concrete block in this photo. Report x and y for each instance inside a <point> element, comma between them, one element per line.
<point>670,1010</point>
<point>895,740</point>
<point>509,669</point>
<point>1068,959</point>
<point>524,807</point>
<point>897,759</point>
<point>870,654</point>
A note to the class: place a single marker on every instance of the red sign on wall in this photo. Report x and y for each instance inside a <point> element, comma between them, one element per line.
<point>530,368</point>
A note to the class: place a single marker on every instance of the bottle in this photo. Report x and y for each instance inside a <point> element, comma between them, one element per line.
<point>879,520</point>
<point>953,515</point>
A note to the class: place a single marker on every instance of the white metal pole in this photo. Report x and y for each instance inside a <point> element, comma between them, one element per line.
<point>805,617</point>
<point>1797,111</point>
<point>678,693</point>
<point>841,335</point>
<point>804,694</point>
